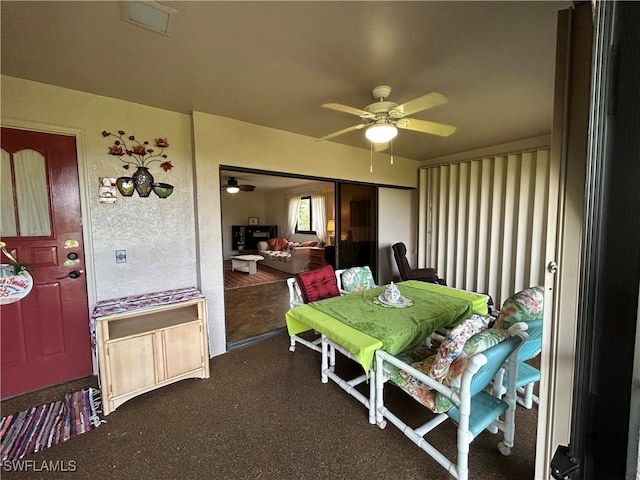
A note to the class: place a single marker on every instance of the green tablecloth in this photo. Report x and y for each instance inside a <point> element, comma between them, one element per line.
<point>361,326</point>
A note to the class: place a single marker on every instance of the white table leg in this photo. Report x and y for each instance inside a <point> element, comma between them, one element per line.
<point>324,363</point>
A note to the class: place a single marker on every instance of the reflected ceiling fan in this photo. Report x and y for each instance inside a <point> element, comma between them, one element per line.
<point>383,118</point>
<point>232,186</point>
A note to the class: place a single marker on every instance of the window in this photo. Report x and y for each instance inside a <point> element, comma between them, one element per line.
<point>24,194</point>
<point>305,216</point>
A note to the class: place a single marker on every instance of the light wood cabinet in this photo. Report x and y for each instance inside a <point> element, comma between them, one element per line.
<point>147,348</point>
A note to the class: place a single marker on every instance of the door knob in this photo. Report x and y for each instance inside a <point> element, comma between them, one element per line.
<point>72,274</point>
<point>552,267</point>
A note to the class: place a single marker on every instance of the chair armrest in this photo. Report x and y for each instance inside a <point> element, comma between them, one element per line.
<point>382,356</point>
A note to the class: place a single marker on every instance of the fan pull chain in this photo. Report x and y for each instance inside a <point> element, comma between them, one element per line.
<point>371,159</point>
<point>391,152</point>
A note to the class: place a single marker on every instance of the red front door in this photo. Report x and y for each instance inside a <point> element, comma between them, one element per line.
<point>45,336</point>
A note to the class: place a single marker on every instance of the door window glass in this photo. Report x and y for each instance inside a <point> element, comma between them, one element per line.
<point>29,198</point>
<point>7,205</point>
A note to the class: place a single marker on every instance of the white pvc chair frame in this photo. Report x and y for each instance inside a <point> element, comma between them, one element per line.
<point>327,348</point>
<point>295,301</point>
<point>339,280</point>
<point>327,372</point>
<point>460,468</point>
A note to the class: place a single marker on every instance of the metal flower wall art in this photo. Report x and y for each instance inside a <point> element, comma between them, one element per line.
<point>140,154</point>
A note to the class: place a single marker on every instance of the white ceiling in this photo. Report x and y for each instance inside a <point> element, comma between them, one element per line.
<point>276,63</point>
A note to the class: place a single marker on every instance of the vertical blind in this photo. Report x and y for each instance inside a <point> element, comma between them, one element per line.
<point>485,222</point>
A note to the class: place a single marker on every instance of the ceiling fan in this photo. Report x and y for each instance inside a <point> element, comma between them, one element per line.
<point>383,118</point>
<point>232,186</point>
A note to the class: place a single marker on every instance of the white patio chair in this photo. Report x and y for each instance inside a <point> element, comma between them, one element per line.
<point>472,408</point>
<point>311,279</point>
<point>295,300</point>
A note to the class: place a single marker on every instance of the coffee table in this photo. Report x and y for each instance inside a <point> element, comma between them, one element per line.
<point>245,263</point>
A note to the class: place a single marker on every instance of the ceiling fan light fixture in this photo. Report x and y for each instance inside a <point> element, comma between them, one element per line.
<point>381,132</point>
<point>232,185</point>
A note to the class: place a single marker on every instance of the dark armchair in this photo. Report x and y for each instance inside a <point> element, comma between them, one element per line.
<point>408,273</point>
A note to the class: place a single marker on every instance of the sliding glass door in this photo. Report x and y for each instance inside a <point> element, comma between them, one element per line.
<point>357,226</point>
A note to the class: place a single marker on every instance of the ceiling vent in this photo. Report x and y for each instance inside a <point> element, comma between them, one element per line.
<point>150,15</point>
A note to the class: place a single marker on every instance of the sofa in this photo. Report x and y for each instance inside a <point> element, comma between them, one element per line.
<point>291,257</point>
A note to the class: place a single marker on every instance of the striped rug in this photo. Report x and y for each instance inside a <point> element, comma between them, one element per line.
<point>41,427</point>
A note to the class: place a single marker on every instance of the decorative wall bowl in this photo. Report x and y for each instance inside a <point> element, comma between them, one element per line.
<point>125,185</point>
<point>163,190</point>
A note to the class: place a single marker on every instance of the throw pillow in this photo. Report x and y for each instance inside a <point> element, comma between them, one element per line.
<point>452,345</point>
<point>524,306</point>
<point>278,244</point>
<point>318,284</point>
<point>357,279</point>
<point>480,342</point>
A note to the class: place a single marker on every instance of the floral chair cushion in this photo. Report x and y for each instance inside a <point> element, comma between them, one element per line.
<point>357,279</point>
<point>448,364</point>
<point>452,345</point>
<point>524,306</point>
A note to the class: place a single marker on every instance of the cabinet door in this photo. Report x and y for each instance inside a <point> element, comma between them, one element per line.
<point>131,364</point>
<point>182,349</point>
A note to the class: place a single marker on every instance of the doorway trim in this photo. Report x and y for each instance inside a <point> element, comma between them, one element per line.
<point>81,154</point>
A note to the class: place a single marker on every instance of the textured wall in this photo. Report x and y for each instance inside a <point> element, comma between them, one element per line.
<point>158,234</point>
<point>222,141</point>
<point>177,241</point>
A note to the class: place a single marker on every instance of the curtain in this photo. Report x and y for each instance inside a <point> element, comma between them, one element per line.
<point>6,199</point>
<point>319,215</point>
<point>294,202</point>
<point>32,195</point>
<point>485,221</point>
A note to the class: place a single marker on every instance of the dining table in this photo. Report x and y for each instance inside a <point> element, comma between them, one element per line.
<point>358,324</point>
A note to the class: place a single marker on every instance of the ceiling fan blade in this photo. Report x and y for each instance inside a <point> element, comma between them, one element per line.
<point>343,131</point>
<point>347,109</point>
<point>425,126</point>
<point>246,188</point>
<point>424,102</point>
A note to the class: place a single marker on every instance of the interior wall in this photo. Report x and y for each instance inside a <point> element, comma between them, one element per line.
<point>175,242</point>
<point>223,141</point>
<point>393,228</point>
<point>158,234</point>
<point>236,210</point>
